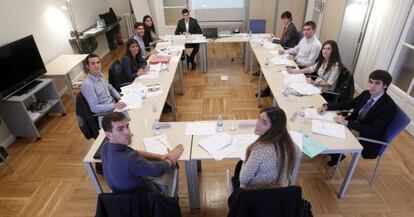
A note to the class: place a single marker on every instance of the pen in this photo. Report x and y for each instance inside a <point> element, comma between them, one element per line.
<point>162,143</point>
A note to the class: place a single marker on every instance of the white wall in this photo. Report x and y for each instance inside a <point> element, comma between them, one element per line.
<point>121,7</point>
<point>50,26</point>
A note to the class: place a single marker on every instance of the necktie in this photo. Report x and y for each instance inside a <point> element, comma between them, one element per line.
<point>283,33</point>
<point>364,110</point>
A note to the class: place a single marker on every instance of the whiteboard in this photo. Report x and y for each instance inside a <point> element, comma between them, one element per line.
<point>86,12</point>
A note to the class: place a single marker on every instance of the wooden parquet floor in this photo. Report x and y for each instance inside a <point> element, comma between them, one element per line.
<point>50,179</point>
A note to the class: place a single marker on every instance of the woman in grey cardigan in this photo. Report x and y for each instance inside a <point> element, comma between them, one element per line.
<point>271,158</point>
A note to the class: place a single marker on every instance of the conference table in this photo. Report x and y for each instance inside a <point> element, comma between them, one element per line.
<point>142,118</point>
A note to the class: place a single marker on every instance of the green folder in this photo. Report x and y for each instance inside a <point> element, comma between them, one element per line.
<point>311,147</point>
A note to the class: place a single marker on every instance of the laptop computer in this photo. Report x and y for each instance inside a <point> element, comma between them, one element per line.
<point>210,32</point>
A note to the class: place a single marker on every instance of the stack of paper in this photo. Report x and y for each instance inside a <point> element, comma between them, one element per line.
<point>304,88</point>
<point>151,74</point>
<point>200,128</point>
<point>133,101</point>
<point>328,129</point>
<point>311,113</point>
<point>311,147</point>
<point>269,45</point>
<point>157,144</point>
<point>241,142</point>
<point>218,145</point>
<point>280,60</point>
<point>294,78</point>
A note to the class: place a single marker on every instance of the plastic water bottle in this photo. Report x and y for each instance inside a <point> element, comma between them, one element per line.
<point>219,123</point>
<point>163,67</point>
<point>157,127</point>
<point>301,114</point>
<point>267,62</point>
<point>250,33</point>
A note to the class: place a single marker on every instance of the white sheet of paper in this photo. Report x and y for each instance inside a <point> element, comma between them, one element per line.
<point>155,67</point>
<point>175,58</point>
<point>224,77</point>
<point>151,74</point>
<point>157,144</point>
<point>216,142</point>
<point>224,152</point>
<point>311,113</point>
<point>305,88</point>
<point>133,101</point>
<point>297,138</point>
<point>200,128</point>
<point>242,141</point>
<point>328,129</point>
<point>291,78</point>
<point>132,88</point>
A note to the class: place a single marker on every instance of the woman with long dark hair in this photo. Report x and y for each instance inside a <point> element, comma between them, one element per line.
<point>270,160</point>
<point>327,67</point>
<point>150,35</point>
<point>133,65</point>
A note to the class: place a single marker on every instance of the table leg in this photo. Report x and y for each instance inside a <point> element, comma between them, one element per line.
<point>203,57</point>
<point>92,175</point>
<point>173,106</point>
<point>349,173</point>
<point>251,63</point>
<point>181,75</point>
<point>69,84</point>
<point>191,174</point>
<point>259,89</point>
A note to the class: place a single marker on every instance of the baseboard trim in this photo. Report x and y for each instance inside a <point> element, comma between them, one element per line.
<point>5,143</point>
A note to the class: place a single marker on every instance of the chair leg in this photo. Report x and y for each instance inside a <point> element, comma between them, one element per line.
<point>336,167</point>
<point>374,174</point>
<point>7,164</point>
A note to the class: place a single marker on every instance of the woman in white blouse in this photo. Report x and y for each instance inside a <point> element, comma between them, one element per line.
<point>271,158</point>
<point>327,67</point>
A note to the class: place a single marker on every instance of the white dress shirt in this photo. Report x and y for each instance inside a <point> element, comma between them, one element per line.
<point>306,51</point>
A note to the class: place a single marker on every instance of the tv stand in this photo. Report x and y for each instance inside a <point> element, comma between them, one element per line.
<point>27,88</point>
<point>15,112</point>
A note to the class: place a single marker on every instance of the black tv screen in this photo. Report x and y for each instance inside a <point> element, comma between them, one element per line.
<point>20,64</point>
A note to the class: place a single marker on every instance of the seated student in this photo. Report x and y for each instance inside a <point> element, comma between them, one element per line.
<point>189,25</point>
<point>372,111</point>
<point>133,65</point>
<point>306,52</point>
<point>99,94</point>
<point>150,35</point>
<point>138,36</point>
<point>289,36</point>
<point>328,66</point>
<point>126,169</point>
<point>270,160</point>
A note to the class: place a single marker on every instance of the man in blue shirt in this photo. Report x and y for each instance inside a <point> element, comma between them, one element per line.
<point>126,169</point>
<point>99,94</point>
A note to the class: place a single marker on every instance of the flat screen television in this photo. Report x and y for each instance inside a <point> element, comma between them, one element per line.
<point>20,64</point>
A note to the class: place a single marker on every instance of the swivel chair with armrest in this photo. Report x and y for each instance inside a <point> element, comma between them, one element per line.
<point>397,125</point>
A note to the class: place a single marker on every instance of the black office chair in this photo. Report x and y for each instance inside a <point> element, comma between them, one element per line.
<point>344,90</point>
<point>87,120</point>
<point>115,76</point>
<point>286,202</point>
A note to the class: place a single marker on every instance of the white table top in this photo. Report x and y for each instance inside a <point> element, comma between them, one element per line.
<point>199,153</point>
<point>63,64</point>
<point>275,79</point>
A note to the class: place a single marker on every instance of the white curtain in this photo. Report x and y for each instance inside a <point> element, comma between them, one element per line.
<point>382,35</point>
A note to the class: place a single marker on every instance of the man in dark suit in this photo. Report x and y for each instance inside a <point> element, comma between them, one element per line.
<point>289,36</point>
<point>372,111</point>
<point>189,25</point>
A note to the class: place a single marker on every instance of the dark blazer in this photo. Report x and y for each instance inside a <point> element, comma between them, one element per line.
<point>193,27</point>
<point>130,67</point>
<point>375,122</point>
<point>291,37</point>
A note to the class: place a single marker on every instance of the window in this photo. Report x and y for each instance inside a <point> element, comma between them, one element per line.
<point>172,11</point>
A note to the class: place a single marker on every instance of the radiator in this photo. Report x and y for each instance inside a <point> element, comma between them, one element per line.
<point>129,22</point>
